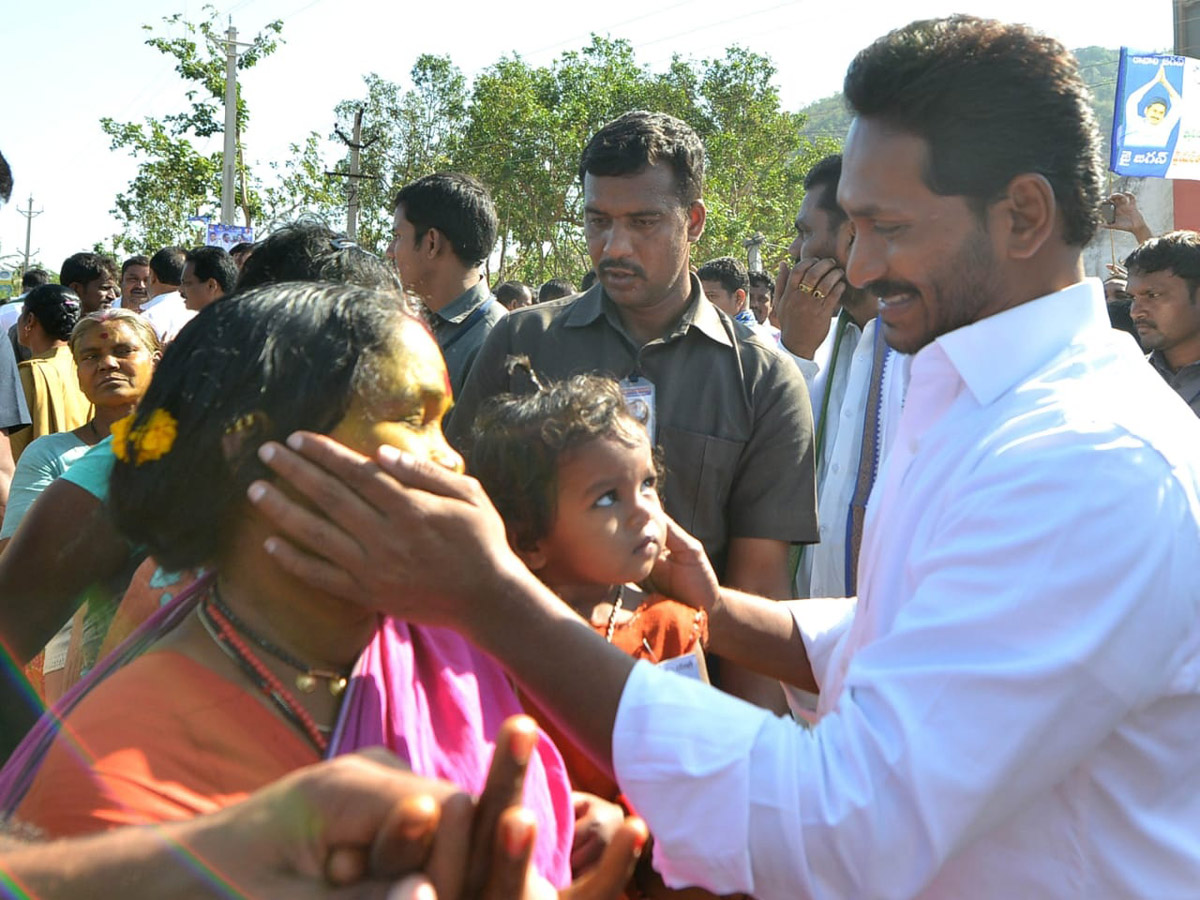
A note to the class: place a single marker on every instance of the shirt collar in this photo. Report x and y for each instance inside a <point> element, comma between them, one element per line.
<point>465,303</point>
<point>1158,359</point>
<point>995,354</point>
<point>699,314</point>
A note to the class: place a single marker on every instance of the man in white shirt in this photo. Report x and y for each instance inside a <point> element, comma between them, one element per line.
<point>166,308</point>
<point>1010,708</point>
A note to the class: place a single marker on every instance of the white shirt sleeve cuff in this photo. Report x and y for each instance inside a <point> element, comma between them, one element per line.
<point>822,621</point>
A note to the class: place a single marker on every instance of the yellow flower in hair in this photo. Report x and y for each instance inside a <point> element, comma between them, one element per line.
<point>151,440</point>
<point>156,437</point>
<point>120,437</point>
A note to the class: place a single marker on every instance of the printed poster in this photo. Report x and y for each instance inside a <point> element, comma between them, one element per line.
<point>1156,132</point>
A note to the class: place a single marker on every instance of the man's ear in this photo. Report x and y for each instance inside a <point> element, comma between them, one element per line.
<point>739,297</point>
<point>435,243</point>
<point>697,214</point>
<point>1026,216</point>
<point>78,287</point>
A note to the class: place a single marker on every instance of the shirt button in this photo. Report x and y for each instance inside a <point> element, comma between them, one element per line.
<point>837,467</point>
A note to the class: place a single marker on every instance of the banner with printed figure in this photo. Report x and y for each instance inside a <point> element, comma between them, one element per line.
<point>1155,132</point>
<point>229,236</point>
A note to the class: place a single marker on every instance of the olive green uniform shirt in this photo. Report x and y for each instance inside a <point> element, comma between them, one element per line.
<point>733,416</point>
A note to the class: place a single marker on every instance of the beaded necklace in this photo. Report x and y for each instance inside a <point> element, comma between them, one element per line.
<point>225,635</point>
<point>612,615</point>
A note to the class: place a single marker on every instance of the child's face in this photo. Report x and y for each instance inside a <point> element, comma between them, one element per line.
<point>609,524</point>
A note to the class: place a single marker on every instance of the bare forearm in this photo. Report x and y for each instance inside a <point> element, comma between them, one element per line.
<point>144,861</point>
<point>548,648</point>
<point>759,635</point>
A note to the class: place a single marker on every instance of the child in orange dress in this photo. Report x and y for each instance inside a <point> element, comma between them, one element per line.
<point>575,477</point>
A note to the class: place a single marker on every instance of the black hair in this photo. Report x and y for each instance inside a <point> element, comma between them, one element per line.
<point>555,289</point>
<point>167,265</point>
<point>1177,252</point>
<point>34,278</point>
<point>826,173</point>
<point>762,279</point>
<point>458,206</point>
<point>6,180</point>
<point>588,279</point>
<point>254,367</point>
<point>727,272</point>
<point>992,101</point>
<point>216,263</point>
<point>631,143</point>
<point>508,291</point>
<point>56,308</point>
<point>241,247</point>
<point>309,251</point>
<point>138,260</point>
<point>518,443</point>
<point>83,268</point>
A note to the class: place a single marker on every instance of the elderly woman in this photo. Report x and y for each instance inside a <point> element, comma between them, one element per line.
<point>114,352</point>
<point>251,674</point>
<point>51,388</point>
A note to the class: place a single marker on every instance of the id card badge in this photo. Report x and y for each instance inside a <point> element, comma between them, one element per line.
<point>639,400</point>
<point>687,665</point>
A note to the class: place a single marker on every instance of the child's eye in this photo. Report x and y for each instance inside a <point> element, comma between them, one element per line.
<point>650,483</point>
<point>607,499</point>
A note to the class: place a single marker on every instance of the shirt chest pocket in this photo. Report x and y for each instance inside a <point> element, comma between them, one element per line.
<point>701,470</point>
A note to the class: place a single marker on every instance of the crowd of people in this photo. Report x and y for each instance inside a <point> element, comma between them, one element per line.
<point>871,576</point>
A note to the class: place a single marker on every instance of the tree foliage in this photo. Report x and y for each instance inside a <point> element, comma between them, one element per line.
<point>173,180</point>
<point>521,129</point>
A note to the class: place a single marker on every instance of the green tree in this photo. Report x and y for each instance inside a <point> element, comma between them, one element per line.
<point>174,181</point>
<point>407,133</point>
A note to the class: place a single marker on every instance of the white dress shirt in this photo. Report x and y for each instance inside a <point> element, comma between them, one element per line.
<point>1013,708</point>
<point>167,313</point>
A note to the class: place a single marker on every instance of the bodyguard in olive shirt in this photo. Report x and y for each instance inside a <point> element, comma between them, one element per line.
<point>731,415</point>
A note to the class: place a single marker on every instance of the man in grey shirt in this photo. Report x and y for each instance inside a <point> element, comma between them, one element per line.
<point>444,230</point>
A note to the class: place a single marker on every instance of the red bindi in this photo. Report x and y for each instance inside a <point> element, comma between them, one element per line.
<point>103,335</point>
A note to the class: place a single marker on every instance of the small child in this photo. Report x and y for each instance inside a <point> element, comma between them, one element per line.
<point>575,478</point>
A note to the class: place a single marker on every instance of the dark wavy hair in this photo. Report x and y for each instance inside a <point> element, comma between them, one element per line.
<point>993,101</point>
<point>56,309</point>
<point>630,143</point>
<point>1177,252</point>
<point>310,251</point>
<point>517,444</point>
<point>255,367</point>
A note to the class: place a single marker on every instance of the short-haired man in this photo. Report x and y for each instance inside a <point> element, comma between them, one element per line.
<point>729,412</point>
<point>761,290</point>
<point>93,277</point>
<point>443,232</point>
<point>555,289</point>
<point>726,284</point>
<point>513,294</point>
<point>165,309</point>
<point>135,282</point>
<point>209,273</point>
<point>851,375</point>
<point>240,252</point>
<point>1009,710</point>
<point>1164,274</point>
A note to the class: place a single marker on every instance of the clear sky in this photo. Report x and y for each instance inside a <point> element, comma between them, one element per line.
<point>67,63</point>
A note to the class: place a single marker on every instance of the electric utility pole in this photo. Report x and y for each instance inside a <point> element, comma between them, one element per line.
<point>229,157</point>
<point>355,175</point>
<point>29,215</point>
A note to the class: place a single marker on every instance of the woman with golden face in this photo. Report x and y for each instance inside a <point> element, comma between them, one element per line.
<point>250,673</point>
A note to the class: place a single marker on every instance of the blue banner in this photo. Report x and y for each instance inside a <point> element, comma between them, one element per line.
<point>1154,132</point>
<point>228,236</point>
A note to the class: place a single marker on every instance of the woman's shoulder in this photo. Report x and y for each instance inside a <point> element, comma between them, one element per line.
<point>185,741</point>
<point>53,452</point>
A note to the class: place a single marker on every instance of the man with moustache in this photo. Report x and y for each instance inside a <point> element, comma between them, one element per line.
<point>1009,710</point>
<point>730,413</point>
<point>135,282</point>
<point>857,388</point>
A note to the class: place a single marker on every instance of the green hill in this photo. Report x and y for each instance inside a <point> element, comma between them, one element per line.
<point>828,117</point>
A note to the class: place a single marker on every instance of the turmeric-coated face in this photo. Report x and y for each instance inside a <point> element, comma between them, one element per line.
<point>404,402</point>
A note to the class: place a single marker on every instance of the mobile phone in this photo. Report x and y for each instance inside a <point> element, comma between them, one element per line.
<point>1108,211</point>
